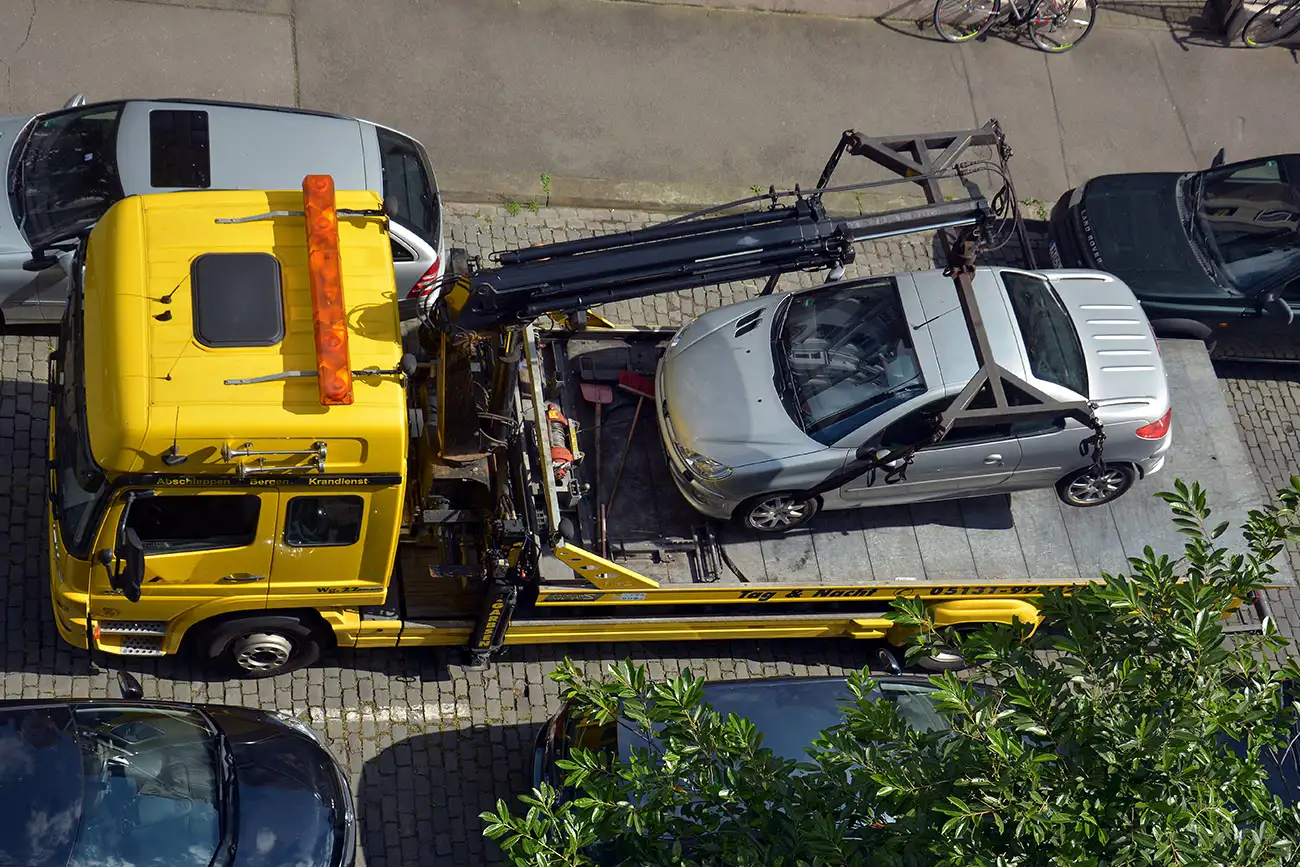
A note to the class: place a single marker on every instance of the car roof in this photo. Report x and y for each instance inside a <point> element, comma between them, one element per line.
<point>241,146</point>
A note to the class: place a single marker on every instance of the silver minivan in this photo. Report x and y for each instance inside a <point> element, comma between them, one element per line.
<point>762,401</point>
<point>64,169</point>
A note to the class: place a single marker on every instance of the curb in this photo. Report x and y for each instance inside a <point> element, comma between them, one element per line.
<point>498,189</point>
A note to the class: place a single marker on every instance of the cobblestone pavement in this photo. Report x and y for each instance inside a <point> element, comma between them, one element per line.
<point>429,743</point>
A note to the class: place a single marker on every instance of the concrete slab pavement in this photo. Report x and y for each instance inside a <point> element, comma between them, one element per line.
<point>51,49</point>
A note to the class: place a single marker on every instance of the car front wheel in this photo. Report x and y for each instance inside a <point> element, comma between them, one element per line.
<point>1092,487</point>
<point>776,513</point>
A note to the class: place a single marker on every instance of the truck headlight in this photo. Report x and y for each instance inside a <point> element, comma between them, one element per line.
<point>706,468</point>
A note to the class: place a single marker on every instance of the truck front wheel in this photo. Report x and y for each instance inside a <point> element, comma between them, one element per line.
<point>259,647</point>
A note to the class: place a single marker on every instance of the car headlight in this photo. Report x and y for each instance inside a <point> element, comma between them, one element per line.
<point>676,338</point>
<point>706,468</point>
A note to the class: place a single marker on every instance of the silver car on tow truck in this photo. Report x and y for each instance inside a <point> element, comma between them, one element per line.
<point>760,402</point>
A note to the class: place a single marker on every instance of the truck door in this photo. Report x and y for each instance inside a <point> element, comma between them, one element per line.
<point>199,547</point>
<point>328,543</point>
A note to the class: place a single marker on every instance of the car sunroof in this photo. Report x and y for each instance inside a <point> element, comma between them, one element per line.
<point>179,154</point>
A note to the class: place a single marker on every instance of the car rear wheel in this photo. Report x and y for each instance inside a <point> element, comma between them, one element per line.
<point>1092,487</point>
<point>777,513</point>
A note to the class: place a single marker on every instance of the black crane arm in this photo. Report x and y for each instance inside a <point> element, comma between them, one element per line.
<point>570,276</point>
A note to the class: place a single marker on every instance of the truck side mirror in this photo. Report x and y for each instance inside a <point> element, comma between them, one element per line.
<point>125,564</point>
<point>1218,159</point>
<point>1278,306</point>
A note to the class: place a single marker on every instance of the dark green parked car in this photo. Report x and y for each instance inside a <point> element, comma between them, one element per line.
<point>1207,253</point>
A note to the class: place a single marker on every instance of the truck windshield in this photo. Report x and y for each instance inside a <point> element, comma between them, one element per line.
<point>80,489</point>
<point>1251,213</point>
<point>66,176</point>
<point>1052,344</point>
<point>848,353</point>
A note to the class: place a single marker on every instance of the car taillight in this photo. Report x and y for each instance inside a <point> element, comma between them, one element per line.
<point>1157,429</point>
<point>427,282</point>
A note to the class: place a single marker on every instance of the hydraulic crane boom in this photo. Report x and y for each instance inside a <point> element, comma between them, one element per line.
<point>571,276</point>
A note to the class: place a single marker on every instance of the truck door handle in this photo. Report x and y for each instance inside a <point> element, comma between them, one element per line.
<point>240,578</point>
<point>993,460</point>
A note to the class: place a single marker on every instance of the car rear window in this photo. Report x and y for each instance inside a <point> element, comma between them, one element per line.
<point>179,154</point>
<point>408,186</point>
<point>1052,344</point>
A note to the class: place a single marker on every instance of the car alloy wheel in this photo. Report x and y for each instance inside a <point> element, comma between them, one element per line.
<point>776,513</point>
<point>1090,487</point>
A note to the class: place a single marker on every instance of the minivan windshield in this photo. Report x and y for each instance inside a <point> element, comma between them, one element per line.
<point>845,351</point>
<point>1251,214</point>
<point>102,785</point>
<point>1051,341</point>
<point>66,175</point>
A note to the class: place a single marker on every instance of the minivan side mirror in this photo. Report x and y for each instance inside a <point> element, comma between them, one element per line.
<point>77,99</point>
<point>129,687</point>
<point>41,262</point>
<point>1218,159</point>
<point>1272,302</point>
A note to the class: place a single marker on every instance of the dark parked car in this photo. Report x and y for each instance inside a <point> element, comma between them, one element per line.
<point>158,784</point>
<point>1204,252</point>
<point>790,712</point>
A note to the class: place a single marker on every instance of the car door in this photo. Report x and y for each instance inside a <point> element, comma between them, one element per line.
<point>200,548</point>
<point>1048,450</point>
<point>33,296</point>
<point>968,462</point>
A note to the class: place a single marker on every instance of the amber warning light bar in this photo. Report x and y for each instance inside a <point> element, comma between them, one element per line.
<point>329,315</point>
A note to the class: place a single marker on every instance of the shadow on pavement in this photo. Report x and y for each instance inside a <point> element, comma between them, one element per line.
<point>419,800</point>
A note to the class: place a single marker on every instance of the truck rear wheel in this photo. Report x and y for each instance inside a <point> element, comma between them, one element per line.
<point>258,647</point>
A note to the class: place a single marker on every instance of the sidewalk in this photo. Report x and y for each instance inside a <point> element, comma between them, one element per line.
<point>678,103</point>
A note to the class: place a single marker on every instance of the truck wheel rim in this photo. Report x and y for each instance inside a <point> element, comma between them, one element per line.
<point>775,512</point>
<point>262,652</point>
<point>1096,487</point>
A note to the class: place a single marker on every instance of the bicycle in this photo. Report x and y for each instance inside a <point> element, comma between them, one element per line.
<point>1272,24</point>
<point>1054,25</point>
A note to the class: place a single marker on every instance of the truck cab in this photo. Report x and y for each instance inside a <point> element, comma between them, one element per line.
<point>188,440</point>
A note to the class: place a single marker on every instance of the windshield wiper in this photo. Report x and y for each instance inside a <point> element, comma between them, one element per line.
<point>228,796</point>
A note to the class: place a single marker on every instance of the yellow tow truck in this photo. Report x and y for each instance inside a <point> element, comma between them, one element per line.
<point>251,458</point>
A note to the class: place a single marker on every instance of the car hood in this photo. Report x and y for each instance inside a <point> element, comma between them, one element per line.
<point>11,240</point>
<point>254,149</point>
<point>1126,376</point>
<point>716,383</point>
<point>290,800</point>
<point>1136,228</point>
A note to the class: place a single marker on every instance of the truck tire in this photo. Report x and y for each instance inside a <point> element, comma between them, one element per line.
<point>257,647</point>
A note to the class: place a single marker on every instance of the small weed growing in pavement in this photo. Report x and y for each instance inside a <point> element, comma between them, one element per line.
<point>757,190</point>
<point>1039,207</point>
<point>857,197</point>
<point>546,187</point>
<point>512,207</point>
<point>533,206</point>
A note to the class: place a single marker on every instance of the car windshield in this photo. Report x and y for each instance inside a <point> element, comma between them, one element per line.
<point>67,177</point>
<point>791,714</point>
<point>106,785</point>
<point>408,186</point>
<point>1251,214</point>
<point>846,353</point>
<point>1051,341</point>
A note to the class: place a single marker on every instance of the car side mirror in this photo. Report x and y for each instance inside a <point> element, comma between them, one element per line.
<point>872,451</point>
<point>129,687</point>
<point>42,262</point>
<point>76,100</point>
<point>1218,159</point>
<point>1278,306</point>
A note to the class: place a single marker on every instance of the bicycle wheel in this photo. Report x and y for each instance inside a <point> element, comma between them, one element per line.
<point>1059,25</point>
<point>960,20</point>
<point>1271,24</point>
